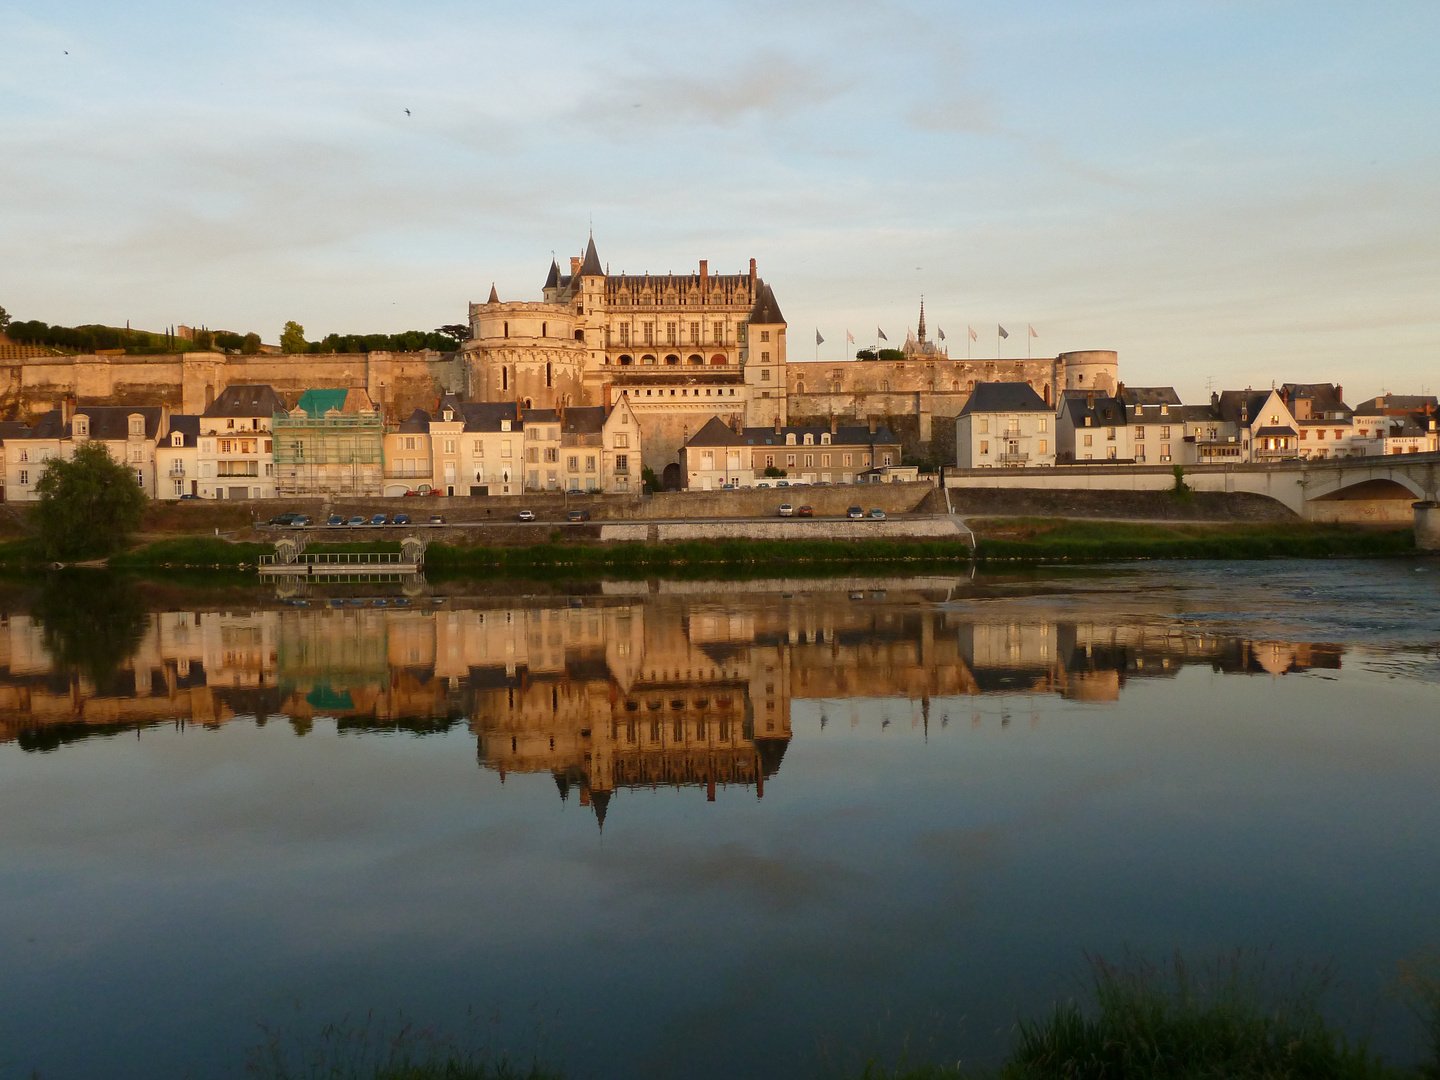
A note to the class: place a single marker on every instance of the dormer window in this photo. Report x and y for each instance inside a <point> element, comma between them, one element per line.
<point>449,415</point>
<point>504,425</point>
<point>790,439</point>
<point>177,438</point>
<point>825,439</point>
<point>137,425</point>
<point>230,424</point>
<point>81,427</point>
<point>809,439</point>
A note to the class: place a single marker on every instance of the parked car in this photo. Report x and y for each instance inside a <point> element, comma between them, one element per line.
<point>782,483</point>
<point>855,513</point>
<point>578,515</point>
<point>400,519</point>
<point>189,495</point>
<point>876,514</point>
<point>300,522</point>
<point>805,511</point>
<point>278,519</point>
<point>335,519</point>
<point>526,515</point>
<point>357,520</point>
<point>762,483</point>
<point>437,519</point>
<point>379,519</point>
<point>786,510</point>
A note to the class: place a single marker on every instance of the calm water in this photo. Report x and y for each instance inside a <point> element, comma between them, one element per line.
<point>711,830</point>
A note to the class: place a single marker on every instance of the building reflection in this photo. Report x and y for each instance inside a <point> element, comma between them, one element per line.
<point>605,693</point>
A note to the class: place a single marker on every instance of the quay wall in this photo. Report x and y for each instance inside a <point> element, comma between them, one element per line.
<point>941,528</point>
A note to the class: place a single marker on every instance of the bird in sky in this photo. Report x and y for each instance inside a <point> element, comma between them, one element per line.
<point>407,112</point>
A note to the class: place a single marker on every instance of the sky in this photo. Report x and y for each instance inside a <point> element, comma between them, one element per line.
<point>1226,193</point>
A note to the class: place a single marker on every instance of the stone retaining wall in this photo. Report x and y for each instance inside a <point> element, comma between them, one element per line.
<point>789,529</point>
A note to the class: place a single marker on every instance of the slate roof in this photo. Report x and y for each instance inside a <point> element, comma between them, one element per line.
<point>1393,404</point>
<point>988,397</point>
<point>1269,432</point>
<point>417,424</point>
<point>716,432</point>
<point>1149,395</point>
<point>552,280</point>
<point>188,426</point>
<point>1102,411</point>
<point>486,416</point>
<point>13,429</point>
<point>591,265</point>
<point>250,400</point>
<point>583,420</point>
<point>1252,401</point>
<point>541,416</point>
<point>766,311</point>
<point>845,435</point>
<point>107,422</point>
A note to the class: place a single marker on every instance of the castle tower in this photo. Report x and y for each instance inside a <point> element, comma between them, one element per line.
<point>764,361</point>
<point>920,334</point>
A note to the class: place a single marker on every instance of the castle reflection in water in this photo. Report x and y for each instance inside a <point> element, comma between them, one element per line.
<point>637,686</point>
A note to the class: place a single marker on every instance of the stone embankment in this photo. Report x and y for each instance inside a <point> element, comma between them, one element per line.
<point>1214,506</point>
<point>921,528</point>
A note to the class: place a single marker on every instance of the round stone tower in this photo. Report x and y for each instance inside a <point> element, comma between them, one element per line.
<point>1093,369</point>
<point>533,353</point>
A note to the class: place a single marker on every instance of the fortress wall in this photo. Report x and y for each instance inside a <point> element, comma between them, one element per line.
<point>401,382</point>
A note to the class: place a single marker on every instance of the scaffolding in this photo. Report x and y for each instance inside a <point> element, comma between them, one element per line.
<point>337,454</point>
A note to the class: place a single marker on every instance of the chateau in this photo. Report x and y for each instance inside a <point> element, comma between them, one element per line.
<point>683,348</point>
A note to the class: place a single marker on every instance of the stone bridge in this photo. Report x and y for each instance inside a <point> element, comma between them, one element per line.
<point>1328,489</point>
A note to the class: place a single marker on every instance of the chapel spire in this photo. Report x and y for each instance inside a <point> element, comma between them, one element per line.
<point>921,334</point>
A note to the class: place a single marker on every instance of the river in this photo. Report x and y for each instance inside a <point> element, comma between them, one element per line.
<point>710,829</point>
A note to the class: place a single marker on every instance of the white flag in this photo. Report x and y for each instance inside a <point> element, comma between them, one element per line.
<point>940,333</point>
<point>849,337</point>
<point>1032,333</point>
<point>973,336</point>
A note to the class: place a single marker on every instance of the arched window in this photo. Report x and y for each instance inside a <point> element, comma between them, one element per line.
<point>548,374</point>
<point>799,388</point>
<point>1047,393</point>
<point>648,358</point>
<point>671,360</point>
<point>626,360</point>
<point>507,329</point>
<point>527,403</point>
<point>954,384</point>
<point>504,378</point>
<point>970,386</point>
<point>835,386</point>
<point>718,359</point>
<point>543,332</point>
<point>696,358</point>
<point>579,335</point>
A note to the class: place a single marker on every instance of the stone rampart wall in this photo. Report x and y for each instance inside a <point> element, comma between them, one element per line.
<point>890,529</point>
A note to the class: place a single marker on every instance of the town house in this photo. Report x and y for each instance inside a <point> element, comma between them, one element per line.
<point>1004,424</point>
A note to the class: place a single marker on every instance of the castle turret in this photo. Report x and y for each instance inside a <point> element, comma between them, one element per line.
<point>765,359</point>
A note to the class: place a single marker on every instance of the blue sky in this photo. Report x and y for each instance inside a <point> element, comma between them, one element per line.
<point>1221,191</point>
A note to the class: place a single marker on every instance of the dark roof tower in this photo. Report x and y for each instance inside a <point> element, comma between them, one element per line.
<point>766,311</point>
<point>600,801</point>
<point>553,280</point>
<point>494,296</point>
<point>591,266</point>
<point>920,334</point>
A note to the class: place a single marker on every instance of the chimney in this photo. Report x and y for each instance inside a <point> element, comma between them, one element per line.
<point>777,424</point>
<point>67,409</point>
<point>574,265</point>
<point>834,425</point>
<point>752,275</point>
<point>1245,414</point>
<point>1090,399</point>
<point>1340,394</point>
<point>1214,399</point>
<point>609,402</point>
<point>738,424</point>
<point>872,423</point>
<point>704,271</point>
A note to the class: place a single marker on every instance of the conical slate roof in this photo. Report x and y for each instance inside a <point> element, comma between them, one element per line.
<point>553,281</point>
<point>766,311</point>
<point>494,296</point>
<point>591,266</point>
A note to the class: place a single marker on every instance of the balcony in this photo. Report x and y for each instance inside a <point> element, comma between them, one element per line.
<point>401,473</point>
<point>237,468</point>
<point>1013,459</point>
<point>177,469</point>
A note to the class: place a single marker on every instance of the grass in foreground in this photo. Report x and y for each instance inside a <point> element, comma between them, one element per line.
<point>192,551</point>
<point>1167,1023</point>
<point>1054,539</point>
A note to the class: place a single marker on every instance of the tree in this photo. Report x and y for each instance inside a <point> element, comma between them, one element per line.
<point>865,354</point>
<point>892,354</point>
<point>292,338</point>
<point>251,345</point>
<point>88,505</point>
<point>648,479</point>
<point>4,319</point>
<point>772,472</point>
<point>228,341</point>
<point>204,339</point>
